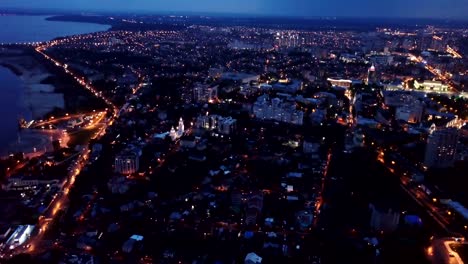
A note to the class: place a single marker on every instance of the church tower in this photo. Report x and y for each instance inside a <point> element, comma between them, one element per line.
<point>173,134</point>
<point>180,128</point>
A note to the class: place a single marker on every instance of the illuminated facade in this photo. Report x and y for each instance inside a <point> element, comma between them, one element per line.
<point>441,147</point>
<point>340,82</point>
<point>19,236</point>
<point>176,134</point>
<point>431,86</point>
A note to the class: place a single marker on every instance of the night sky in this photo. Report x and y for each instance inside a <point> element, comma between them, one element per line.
<point>350,8</point>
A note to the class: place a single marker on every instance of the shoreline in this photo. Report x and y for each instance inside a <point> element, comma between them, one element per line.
<point>38,97</point>
<point>35,143</point>
<point>12,68</point>
<point>99,20</point>
<point>68,27</point>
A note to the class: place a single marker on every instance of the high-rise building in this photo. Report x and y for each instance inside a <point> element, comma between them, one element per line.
<point>254,208</point>
<point>278,110</point>
<point>204,93</point>
<point>227,125</point>
<point>223,125</point>
<point>287,40</point>
<point>441,147</point>
<point>127,162</point>
<point>410,113</point>
<point>236,199</point>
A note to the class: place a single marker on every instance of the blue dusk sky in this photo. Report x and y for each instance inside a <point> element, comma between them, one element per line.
<point>303,8</point>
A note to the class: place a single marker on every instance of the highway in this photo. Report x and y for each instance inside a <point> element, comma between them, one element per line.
<point>54,120</point>
<point>437,212</point>
<point>319,202</point>
<point>454,53</point>
<point>61,199</point>
<point>440,251</point>
<point>79,79</point>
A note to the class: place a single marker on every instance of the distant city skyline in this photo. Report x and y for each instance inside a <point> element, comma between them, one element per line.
<point>297,8</point>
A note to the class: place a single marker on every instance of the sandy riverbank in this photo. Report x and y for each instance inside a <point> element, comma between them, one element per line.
<point>39,98</point>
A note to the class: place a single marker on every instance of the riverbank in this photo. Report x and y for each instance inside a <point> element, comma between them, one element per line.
<point>34,143</point>
<point>39,97</point>
<point>12,68</point>
<point>116,23</point>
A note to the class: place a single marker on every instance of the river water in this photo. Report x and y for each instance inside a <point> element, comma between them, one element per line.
<point>21,29</point>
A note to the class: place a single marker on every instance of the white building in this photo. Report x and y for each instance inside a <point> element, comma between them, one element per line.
<point>431,86</point>
<point>441,147</point>
<point>176,134</point>
<point>340,82</point>
<point>277,110</point>
<point>21,234</point>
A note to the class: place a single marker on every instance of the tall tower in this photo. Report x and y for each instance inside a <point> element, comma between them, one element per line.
<point>441,147</point>
<point>371,75</point>
<point>173,134</point>
<point>180,128</point>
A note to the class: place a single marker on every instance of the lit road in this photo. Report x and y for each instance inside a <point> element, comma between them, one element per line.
<point>453,256</point>
<point>320,202</point>
<point>54,120</point>
<point>80,80</point>
<point>61,199</point>
<point>441,252</point>
<point>59,202</point>
<point>434,71</point>
<point>454,53</point>
<point>99,121</point>
<point>439,215</point>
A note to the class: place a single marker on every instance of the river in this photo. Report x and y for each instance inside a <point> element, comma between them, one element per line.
<point>23,29</point>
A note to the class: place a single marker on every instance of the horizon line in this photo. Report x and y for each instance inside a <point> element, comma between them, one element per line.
<point>64,11</point>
